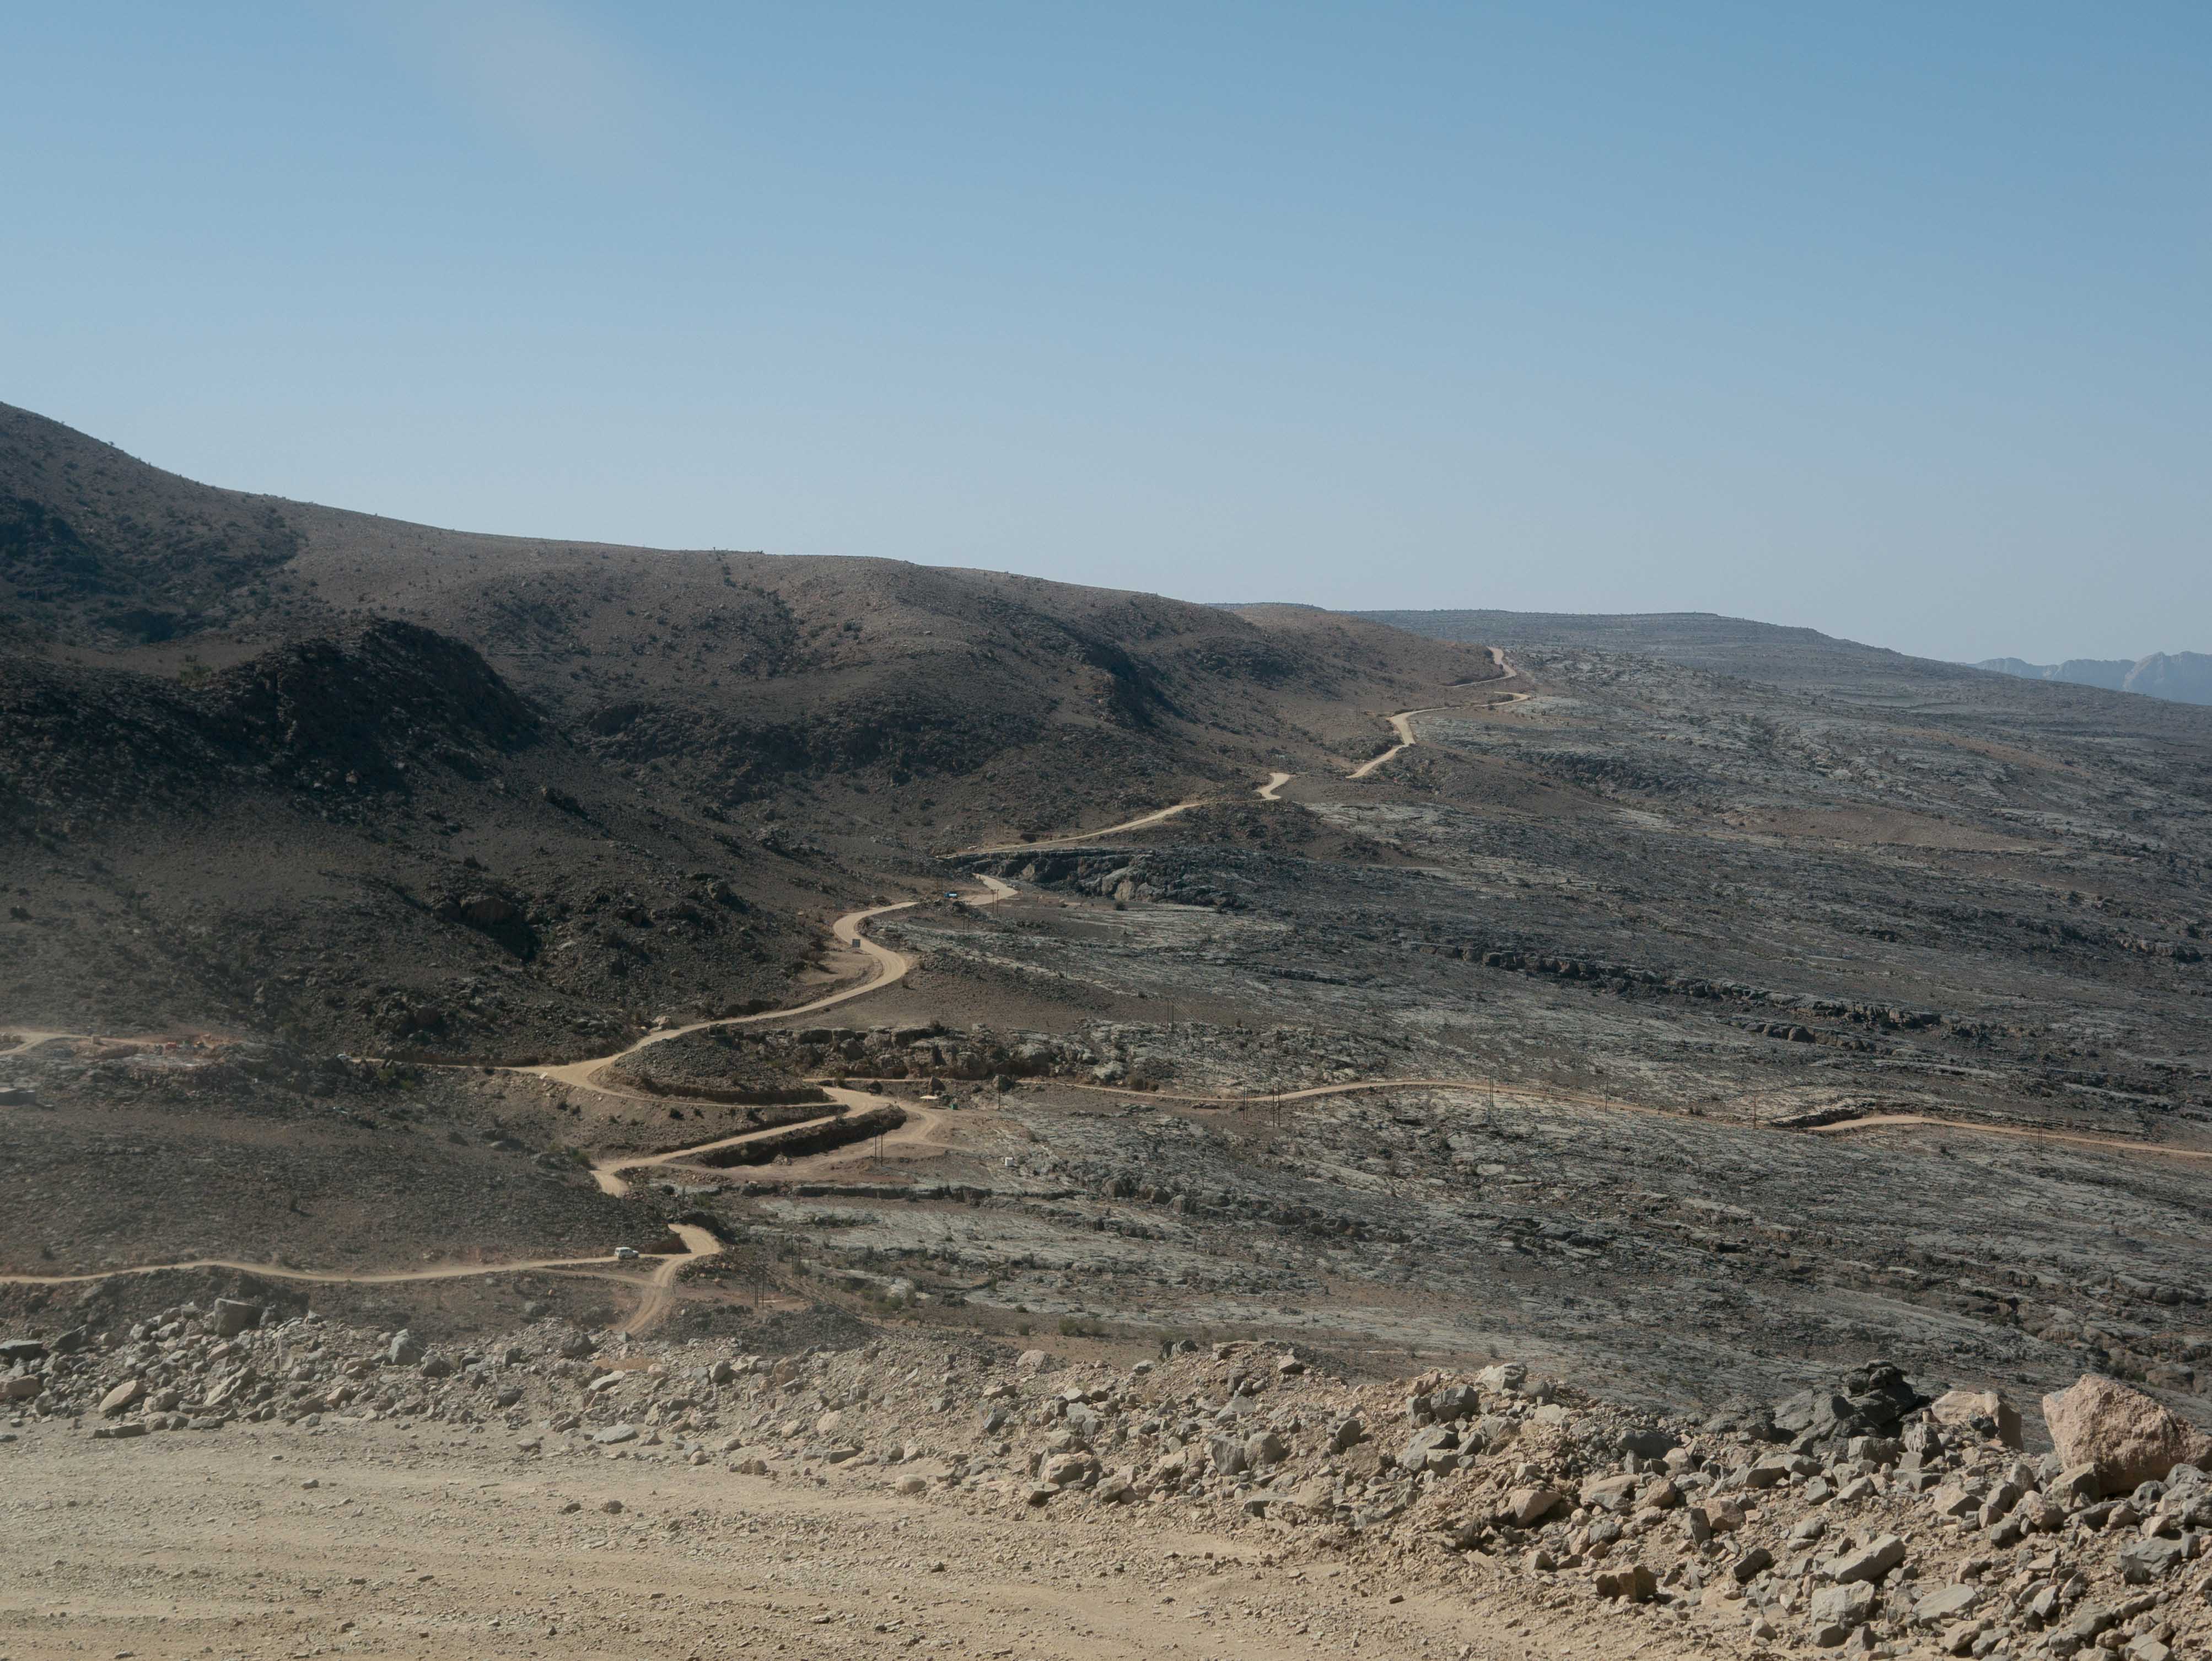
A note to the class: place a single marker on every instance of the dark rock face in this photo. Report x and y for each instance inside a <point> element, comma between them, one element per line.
<point>359,708</point>
<point>1871,1401</point>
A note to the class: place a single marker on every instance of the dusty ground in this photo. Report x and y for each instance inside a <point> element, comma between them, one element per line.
<point>449,1545</point>
<point>552,1493</point>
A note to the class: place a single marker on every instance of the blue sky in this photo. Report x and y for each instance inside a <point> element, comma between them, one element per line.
<point>1887,319</point>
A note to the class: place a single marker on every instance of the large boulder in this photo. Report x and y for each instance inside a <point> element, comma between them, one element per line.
<point>2129,1438</point>
<point>1869,1562</point>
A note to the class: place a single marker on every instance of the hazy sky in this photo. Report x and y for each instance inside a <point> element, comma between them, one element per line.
<point>1890,319</point>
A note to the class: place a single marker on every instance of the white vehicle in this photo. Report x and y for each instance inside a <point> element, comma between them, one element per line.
<point>624,1253</point>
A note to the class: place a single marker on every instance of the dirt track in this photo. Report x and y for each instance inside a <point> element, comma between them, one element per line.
<point>272,1272</point>
<point>658,1300</point>
<point>1403,722</point>
<point>1077,838</point>
<point>441,1542</point>
<point>923,1128</point>
<point>1927,1122</point>
<point>891,967</point>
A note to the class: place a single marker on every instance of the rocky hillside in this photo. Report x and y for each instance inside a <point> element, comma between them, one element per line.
<point>366,839</point>
<point>385,786</point>
<point>719,682</point>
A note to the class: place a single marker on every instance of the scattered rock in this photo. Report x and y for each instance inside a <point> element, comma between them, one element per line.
<point>2144,1562</point>
<point>1869,1562</point>
<point>1751,1564</point>
<point>1526,1506</point>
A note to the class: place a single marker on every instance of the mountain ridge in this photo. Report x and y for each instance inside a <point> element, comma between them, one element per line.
<point>2177,676</point>
<point>1712,641</point>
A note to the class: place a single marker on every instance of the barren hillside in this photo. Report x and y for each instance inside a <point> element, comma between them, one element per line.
<point>400,922</point>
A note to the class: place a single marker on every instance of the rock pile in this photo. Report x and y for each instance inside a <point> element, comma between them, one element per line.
<point>1862,1517</point>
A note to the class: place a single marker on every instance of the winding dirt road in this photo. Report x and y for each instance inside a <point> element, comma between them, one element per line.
<point>1403,722</point>
<point>655,1288</point>
<point>891,967</point>
<point>1509,1089</point>
<point>660,1285</point>
<point>318,1277</point>
<point>922,1125</point>
<point>1402,725</point>
<point>1082,836</point>
<point>2023,1133</point>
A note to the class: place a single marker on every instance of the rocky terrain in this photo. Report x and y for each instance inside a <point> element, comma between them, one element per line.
<point>885,972</point>
<point>1862,1516</point>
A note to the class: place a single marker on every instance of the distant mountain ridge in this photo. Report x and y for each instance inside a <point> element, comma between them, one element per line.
<point>1788,654</point>
<point>2177,676</point>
